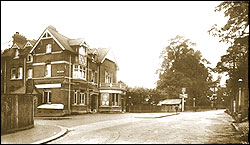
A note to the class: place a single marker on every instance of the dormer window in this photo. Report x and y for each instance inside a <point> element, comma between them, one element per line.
<point>17,54</point>
<point>48,48</point>
<point>30,58</point>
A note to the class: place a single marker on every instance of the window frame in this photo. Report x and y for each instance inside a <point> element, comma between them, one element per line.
<point>19,73</point>
<point>75,97</point>
<point>30,56</point>
<point>82,98</point>
<point>48,99</point>
<point>47,74</point>
<point>48,49</point>
<point>16,54</point>
<point>30,73</point>
<point>13,73</point>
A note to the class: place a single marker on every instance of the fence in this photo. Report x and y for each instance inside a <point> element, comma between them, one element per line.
<point>153,108</point>
<point>16,112</point>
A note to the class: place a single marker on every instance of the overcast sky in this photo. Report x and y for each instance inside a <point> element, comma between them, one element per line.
<point>136,31</point>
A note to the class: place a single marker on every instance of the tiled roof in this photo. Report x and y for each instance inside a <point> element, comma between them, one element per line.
<point>8,52</point>
<point>32,42</point>
<point>62,39</point>
<point>101,53</point>
<point>73,42</point>
<point>170,102</point>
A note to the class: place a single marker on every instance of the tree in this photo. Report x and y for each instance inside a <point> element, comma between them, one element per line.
<point>236,32</point>
<point>183,67</point>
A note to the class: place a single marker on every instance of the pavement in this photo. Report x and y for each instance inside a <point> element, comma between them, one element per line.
<point>243,128</point>
<point>37,135</point>
<point>42,133</point>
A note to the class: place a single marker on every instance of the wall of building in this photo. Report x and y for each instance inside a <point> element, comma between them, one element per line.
<point>110,67</point>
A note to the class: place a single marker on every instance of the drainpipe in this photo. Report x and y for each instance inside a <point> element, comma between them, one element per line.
<point>69,84</point>
<point>24,72</point>
<point>5,78</point>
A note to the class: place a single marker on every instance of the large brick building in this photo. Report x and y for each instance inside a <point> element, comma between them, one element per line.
<point>67,72</point>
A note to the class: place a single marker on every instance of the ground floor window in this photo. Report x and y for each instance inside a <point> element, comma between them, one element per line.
<point>82,98</point>
<point>105,99</point>
<point>115,99</point>
<point>75,97</point>
<point>47,97</point>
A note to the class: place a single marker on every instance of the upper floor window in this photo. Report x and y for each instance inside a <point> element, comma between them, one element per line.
<point>82,51</point>
<point>20,73</point>
<point>92,76</point>
<point>30,58</point>
<point>79,72</point>
<point>108,77</point>
<point>48,48</point>
<point>30,73</point>
<point>13,73</point>
<point>48,70</point>
<point>17,54</point>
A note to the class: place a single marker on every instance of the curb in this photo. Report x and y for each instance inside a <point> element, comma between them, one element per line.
<point>61,133</point>
<point>235,127</point>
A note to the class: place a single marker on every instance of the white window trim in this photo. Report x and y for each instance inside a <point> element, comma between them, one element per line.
<point>46,75</point>
<point>50,49</point>
<point>48,96</point>
<point>11,72</point>
<point>75,97</point>
<point>82,98</point>
<point>16,54</point>
<point>78,74</point>
<point>21,73</point>
<point>30,70</point>
<point>30,55</point>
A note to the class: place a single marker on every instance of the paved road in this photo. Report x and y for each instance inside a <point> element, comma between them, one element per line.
<point>210,127</point>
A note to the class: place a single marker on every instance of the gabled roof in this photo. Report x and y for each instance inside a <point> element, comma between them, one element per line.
<point>8,52</point>
<point>169,102</point>
<point>62,40</point>
<point>101,53</point>
<point>74,42</point>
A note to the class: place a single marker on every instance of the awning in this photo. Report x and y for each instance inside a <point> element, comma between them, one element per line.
<point>51,106</point>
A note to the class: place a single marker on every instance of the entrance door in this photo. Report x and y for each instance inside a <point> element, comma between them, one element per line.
<point>93,102</point>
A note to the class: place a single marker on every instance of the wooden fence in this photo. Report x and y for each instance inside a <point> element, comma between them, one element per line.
<point>17,112</point>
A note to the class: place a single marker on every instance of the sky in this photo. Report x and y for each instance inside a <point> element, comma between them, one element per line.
<point>136,31</point>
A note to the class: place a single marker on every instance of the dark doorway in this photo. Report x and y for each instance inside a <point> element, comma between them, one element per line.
<point>93,102</point>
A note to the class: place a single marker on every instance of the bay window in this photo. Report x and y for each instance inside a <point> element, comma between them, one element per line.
<point>105,99</point>
<point>82,98</point>
<point>79,72</point>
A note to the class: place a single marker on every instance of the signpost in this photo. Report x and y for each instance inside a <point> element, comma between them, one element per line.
<point>183,96</point>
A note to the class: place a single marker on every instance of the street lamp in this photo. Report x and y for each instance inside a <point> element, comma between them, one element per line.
<point>239,100</point>
<point>194,104</point>
<point>129,100</point>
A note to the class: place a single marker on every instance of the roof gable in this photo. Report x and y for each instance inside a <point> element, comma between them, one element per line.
<point>61,40</point>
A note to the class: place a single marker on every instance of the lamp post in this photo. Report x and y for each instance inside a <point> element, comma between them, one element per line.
<point>239,100</point>
<point>129,104</point>
<point>194,104</point>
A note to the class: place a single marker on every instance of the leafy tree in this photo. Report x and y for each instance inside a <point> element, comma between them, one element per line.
<point>183,67</point>
<point>236,32</point>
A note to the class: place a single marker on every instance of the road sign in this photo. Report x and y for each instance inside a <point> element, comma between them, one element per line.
<point>183,96</point>
<point>183,90</point>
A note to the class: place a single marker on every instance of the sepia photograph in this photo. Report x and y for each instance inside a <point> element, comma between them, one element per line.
<point>124,72</point>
